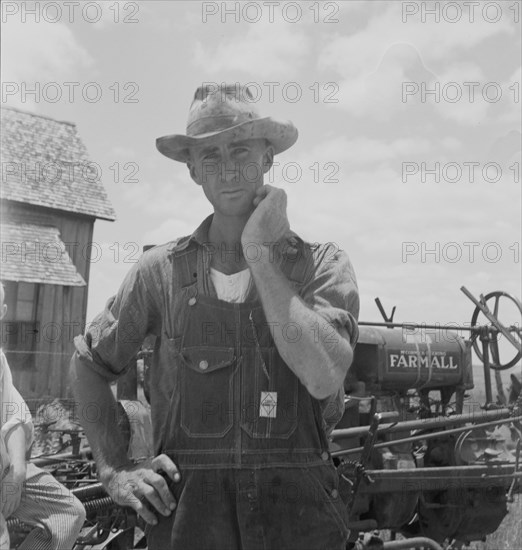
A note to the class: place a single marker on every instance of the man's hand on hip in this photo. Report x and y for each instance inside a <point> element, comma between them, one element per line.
<point>142,488</point>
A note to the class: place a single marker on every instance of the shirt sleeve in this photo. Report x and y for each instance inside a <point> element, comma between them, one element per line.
<point>14,411</point>
<point>331,291</point>
<point>116,334</point>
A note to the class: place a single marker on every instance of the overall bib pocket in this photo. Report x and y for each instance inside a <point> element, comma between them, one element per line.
<point>269,394</point>
<point>207,377</point>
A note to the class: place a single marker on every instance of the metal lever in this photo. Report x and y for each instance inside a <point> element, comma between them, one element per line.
<point>383,313</point>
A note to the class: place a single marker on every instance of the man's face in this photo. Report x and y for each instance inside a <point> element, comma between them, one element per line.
<point>231,172</point>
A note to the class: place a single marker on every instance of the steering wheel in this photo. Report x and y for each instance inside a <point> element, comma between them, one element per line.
<point>513,333</point>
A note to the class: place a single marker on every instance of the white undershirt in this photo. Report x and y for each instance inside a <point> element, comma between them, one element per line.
<point>231,288</point>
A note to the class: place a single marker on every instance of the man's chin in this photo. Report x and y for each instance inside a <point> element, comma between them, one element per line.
<point>243,209</point>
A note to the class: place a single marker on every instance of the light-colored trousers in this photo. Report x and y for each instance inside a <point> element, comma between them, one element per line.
<point>48,504</point>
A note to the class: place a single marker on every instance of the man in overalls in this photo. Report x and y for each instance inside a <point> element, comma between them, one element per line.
<point>255,330</point>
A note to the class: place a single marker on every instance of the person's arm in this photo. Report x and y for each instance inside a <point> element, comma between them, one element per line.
<point>97,407</point>
<point>17,434</point>
<point>13,482</point>
<point>320,358</point>
<point>103,353</point>
<point>128,484</point>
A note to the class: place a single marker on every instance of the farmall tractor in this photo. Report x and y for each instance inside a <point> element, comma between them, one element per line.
<point>419,460</point>
<point>415,455</point>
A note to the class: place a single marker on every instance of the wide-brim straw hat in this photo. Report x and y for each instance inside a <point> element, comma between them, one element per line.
<point>221,113</point>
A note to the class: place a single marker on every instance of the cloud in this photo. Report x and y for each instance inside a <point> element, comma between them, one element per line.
<point>381,94</point>
<point>511,90</point>
<point>373,63</point>
<point>507,149</point>
<point>268,49</point>
<point>118,12</point>
<point>459,102</point>
<point>39,53</point>
<point>372,212</point>
<point>161,198</point>
<point>123,153</point>
<point>360,52</point>
<point>365,151</point>
<point>403,86</point>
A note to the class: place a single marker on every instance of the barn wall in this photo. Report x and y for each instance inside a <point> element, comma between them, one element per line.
<point>61,310</point>
<point>71,306</point>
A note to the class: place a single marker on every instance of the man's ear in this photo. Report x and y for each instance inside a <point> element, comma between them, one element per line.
<point>268,158</point>
<point>192,172</point>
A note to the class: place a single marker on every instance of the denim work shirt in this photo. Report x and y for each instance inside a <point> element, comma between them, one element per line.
<point>149,303</point>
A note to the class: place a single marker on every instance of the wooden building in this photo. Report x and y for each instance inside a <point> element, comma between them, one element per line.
<point>51,195</point>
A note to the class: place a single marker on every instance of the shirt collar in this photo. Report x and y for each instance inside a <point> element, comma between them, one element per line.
<point>200,237</point>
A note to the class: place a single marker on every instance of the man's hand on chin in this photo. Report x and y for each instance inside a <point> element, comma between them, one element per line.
<point>268,223</point>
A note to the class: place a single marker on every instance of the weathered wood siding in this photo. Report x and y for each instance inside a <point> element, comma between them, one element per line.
<point>60,310</point>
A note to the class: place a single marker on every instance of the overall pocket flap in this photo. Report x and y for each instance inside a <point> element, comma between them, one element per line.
<point>205,359</point>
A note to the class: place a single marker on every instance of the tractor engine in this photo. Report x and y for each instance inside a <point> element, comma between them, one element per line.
<point>397,366</point>
<point>399,376</point>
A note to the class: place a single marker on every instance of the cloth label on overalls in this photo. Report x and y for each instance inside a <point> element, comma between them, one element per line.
<point>268,405</point>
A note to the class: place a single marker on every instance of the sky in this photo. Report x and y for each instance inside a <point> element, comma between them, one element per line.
<point>409,120</point>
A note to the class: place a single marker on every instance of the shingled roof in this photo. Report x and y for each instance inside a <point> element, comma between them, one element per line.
<point>45,163</point>
<point>36,254</point>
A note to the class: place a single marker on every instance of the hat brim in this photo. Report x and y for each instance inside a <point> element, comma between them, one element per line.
<point>281,134</point>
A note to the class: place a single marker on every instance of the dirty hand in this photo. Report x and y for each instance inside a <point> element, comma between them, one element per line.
<point>268,223</point>
<point>142,488</point>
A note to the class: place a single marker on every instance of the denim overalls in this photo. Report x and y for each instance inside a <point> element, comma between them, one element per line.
<point>246,435</point>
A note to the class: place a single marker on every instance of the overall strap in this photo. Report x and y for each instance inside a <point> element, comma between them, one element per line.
<point>184,266</point>
<point>184,285</point>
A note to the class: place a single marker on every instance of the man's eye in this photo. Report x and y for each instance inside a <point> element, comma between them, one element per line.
<point>210,158</point>
<point>240,150</point>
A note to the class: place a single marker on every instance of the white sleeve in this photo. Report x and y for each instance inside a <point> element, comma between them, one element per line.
<point>14,410</point>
